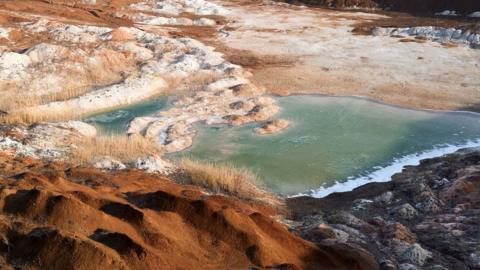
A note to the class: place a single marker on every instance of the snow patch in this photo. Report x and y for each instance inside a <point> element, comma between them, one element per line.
<point>475,14</point>
<point>384,174</point>
<point>175,7</point>
<point>440,34</point>
<point>446,13</point>
<point>4,32</point>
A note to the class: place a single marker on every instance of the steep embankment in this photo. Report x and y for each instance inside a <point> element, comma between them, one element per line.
<point>416,6</point>
<point>56,217</point>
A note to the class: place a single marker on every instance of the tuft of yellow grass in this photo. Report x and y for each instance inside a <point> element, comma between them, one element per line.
<point>21,106</point>
<point>34,115</point>
<point>228,179</point>
<point>121,147</point>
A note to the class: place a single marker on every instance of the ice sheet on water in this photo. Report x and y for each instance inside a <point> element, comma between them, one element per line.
<point>384,174</point>
<point>109,117</point>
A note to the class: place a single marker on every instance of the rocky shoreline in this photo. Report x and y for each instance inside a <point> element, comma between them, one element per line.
<point>426,217</point>
<point>440,34</point>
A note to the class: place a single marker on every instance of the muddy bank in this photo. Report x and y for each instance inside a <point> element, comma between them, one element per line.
<point>425,218</point>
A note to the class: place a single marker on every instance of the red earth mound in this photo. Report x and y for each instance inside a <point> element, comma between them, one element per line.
<point>102,13</point>
<point>56,217</point>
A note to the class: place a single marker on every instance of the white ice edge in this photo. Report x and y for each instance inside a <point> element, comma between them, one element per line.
<point>385,174</point>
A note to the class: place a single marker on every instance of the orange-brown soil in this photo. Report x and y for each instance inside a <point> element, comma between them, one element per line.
<point>11,12</point>
<point>67,11</point>
<point>58,217</point>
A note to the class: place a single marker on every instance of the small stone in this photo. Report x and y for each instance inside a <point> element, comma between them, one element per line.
<point>272,127</point>
<point>457,233</point>
<point>387,265</point>
<point>347,219</point>
<point>153,164</point>
<point>119,34</point>
<point>405,211</point>
<point>378,221</point>
<point>407,266</point>
<point>247,90</point>
<point>440,183</point>
<point>430,205</point>
<point>415,254</point>
<point>108,163</point>
<point>385,198</point>
<point>361,204</point>
<point>474,260</point>
<point>82,128</point>
<point>399,231</point>
<point>236,105</point>
<point>435,267</point>
<point>324,231</point>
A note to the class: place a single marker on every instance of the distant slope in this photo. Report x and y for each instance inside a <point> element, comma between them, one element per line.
<point>415,6</point>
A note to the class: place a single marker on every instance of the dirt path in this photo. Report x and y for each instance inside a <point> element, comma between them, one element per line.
<point>315,51</point>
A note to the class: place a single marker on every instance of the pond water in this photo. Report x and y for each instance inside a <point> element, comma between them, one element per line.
<point>333,144</point>
<point>116,121</point>
<point>335,139</point>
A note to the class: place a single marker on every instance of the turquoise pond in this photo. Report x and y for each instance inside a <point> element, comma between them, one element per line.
<point>331,140</point>
<point>116,121</point>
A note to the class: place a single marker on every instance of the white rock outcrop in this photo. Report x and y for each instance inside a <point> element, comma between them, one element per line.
<point>175,7</point>
<point>108,163</point>
<point>154,164</point>
<point>82,128</point>
<point>439,34</point>
<point>446,13</point>
<point>475,14</point>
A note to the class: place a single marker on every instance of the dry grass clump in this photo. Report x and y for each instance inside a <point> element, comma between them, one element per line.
<point>21,107</point>
<point>193,83</point>
<point>120,147</point>
<point>228,179</point>
<point>33,115</point>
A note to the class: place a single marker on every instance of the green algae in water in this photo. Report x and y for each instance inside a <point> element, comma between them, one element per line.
<point>331,139</point>
<point>116,121</point>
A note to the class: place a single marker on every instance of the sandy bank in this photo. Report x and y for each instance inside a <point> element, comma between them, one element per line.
<point>322,55</point>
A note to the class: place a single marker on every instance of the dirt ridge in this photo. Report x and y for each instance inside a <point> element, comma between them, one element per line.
<point>58,217</point>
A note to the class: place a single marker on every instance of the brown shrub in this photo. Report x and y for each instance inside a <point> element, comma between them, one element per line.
<point>227,179</point>
<point>121,147</point>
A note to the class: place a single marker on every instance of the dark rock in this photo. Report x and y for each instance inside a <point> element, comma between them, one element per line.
<point>427,217</point>
<point>388,265</point>
<point>399,231</point>
<point>236,105</point>
<point>405,211</point>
